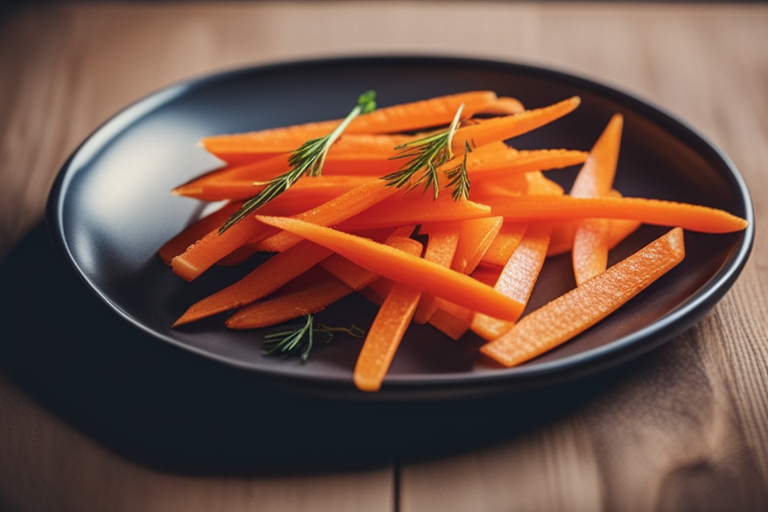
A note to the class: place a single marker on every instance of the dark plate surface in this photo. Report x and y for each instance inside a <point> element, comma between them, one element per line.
<point>110,210</point>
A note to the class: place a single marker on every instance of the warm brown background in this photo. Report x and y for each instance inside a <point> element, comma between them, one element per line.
<point>683,428</point>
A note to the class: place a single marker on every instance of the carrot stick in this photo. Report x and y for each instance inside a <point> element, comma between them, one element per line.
<point>502,128</point>
<point>451,319</point>
<point>502,163</point>
<point>504,244</point>
<point>386,331</point>
<point>404,117</point>
<point>650,211</point>
<point>214,246</point>
<point>238,152</point>
<point>312,299</point>
<point>503,105</point>
<point>384,337</point>
<point>517,279</point>
<point>475,236</point>
<point>394,264</point>
<point>574,312</point>
<point>416,209</point>
<point>309,189</point>
<point>192,233</point>
<point>595,179</point>
<point>260,282</point>
<point>441,248</point>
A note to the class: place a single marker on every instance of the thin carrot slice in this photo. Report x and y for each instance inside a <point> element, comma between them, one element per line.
<point>441,248</point>
<point>404,117</point>
<point>394,264</point>
<point>504,105</point>
<point>214,246</point>
<point>475,236</point>
<point>452,320</point>
<point>505,243</point>
<point>321,188</point>
<point>416,209</point>
<point>312,299</point>
<point>260,282</point>
<point>502,128</point>
<point>499,164</point>
<point>574,312</point>
<point>192,233</point>
<point>517,279</point>
<point>386,332</point>
<point>595,179</point>
<point>347,145</point>
<point>650,211</point>
<point>384,337</point>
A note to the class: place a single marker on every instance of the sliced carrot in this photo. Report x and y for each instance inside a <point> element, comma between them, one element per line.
<point>214,246</point>
<point>502,128</point>
<point>394,264</point>
<point>441,248</point>
<point>574,312</point>
<point>192,233</point>
<point>315,189</point>
<point>416,208</point>
<point>475,236</point>
<point>386,332</point>
<point>452,320</point>
<point>260,282</point>
<point>504,244</point>
<point>595,179</point>
<point>349,145</point>
<point>313,298</point>
<point>650,211</point>
<point>404,117</point>
<point>499,164</point>
<point>503,105</point>
<point>517,279</point>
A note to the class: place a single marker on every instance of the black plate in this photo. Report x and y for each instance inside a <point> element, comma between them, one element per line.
<point>110,210</point>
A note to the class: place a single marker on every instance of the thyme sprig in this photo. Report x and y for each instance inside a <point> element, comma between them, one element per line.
<point>425,156</point>
<point>300,341</point>
<point>307,160</point>
<point>459,177</point>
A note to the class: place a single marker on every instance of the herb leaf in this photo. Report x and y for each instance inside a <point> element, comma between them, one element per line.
<point>300,341</point>
<point>307,160</point>
<point>426,155</point>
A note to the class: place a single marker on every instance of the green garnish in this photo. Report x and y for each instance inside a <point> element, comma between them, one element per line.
<point>426,155</point>
<point>299,341</point>
<point>307,160</point>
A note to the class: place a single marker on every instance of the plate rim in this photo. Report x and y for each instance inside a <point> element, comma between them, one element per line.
<point>610,354</point>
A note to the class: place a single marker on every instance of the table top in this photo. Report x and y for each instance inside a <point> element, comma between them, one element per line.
<point>90,419</point>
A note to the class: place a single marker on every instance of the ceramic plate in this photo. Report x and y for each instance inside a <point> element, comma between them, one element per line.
<point>110,209</point>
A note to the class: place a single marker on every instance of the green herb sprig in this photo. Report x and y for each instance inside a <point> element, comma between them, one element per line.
<point>300,341</point>
<point>307,160</point>
<point>425,156</point>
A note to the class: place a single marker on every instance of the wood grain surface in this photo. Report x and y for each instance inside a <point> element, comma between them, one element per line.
<point>682,428</point>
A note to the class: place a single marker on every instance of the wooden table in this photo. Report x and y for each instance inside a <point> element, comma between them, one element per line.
<point>86,424</point>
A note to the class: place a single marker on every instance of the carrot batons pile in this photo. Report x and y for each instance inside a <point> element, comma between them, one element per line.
<point>477,255</point>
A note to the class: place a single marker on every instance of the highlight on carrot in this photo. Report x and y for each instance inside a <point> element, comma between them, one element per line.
<point>428,210</point>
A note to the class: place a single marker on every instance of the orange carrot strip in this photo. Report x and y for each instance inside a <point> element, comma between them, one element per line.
<point>517,279</point>
<point>260,282</point>
<point>502,163</point>
<point>312,299</point>
<point>192,233</point>
<point>404,117</point>
<point>212,247</point>
<point>475,236</point>
<point>504,105</point>
<point>386,332</point>
<point>452,320</point>
<point>384,337</point>
<point>399,266</point>
<point>441,248</point>
<point>416,209</point>
<point>502,128</point>
<point>322,188</point>
<point>595,179</point>
<point>574,312</point>
<point>504,244</point>
<point>373,146</point>
<point>650,211</point>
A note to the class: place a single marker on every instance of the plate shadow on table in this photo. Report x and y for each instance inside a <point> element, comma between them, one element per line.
<point>162,407</point>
